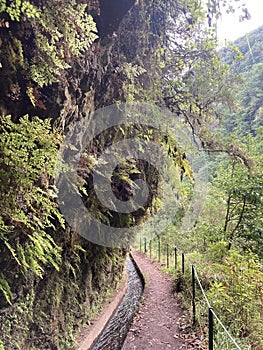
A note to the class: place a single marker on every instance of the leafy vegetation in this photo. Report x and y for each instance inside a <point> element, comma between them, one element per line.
<point>247,116</point>
<point>226,241</point>
<point>58,31</point>
<point>237,290</point>
<point>250,47</point>
<point>170,58</point>
<point>28,209</point>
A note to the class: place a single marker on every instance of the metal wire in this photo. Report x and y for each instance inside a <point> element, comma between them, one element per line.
<point>224,328</point>
<point>210,307</point>
<point>201,287</point>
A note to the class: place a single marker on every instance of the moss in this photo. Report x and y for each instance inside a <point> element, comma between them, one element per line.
<point>54,308</point>
<point>47,312</point>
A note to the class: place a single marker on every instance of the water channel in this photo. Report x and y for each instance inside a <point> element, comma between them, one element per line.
<point>114,334</point>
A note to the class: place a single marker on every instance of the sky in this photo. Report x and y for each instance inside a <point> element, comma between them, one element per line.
<point>229,26</point>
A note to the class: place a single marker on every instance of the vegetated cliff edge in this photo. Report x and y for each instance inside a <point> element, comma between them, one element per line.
<point>43,307</point>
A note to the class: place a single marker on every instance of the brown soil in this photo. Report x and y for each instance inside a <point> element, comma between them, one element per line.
<point>160,320</point>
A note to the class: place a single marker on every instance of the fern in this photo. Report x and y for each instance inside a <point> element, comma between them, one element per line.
<point>28,151</point>
<point>18,8</point>
<point>5,289</point>
<point>62,32</point>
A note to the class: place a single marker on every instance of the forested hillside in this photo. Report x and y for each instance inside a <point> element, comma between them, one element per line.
<point>250,46</point>
<point>246,60</point>
<point>226,242</point>
<point>137,74</point>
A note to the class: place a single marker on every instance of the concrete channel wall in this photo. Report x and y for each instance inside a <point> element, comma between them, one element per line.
<point>88,337</point>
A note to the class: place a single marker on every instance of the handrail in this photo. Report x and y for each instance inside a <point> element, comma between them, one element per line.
<point>195,277</point>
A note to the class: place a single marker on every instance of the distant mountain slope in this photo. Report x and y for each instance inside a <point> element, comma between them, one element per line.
<point>250,97</point>
<point>251,47</point>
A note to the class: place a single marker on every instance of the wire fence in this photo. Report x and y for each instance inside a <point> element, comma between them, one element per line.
<point>170,255</point>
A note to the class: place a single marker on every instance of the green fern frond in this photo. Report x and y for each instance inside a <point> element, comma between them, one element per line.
<point>5,289</point>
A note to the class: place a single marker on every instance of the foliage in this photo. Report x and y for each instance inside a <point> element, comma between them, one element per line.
<point>28,209</point>
<point>241,191</point>
<point>5,289</point>
<point>236,295</point>
<point>247,117</point>
<point>251,48</point>
<point>58,32</point>
<point>196,83</point>
<point>131,73</point>
<point>19,8</point>
<point>171,59</point>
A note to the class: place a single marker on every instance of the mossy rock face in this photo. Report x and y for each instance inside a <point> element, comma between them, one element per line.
<point>47,312</point>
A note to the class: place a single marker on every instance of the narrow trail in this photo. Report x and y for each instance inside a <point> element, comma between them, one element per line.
<point>157,323</point>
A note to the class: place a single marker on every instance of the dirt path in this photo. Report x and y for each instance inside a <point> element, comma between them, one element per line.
<point>156,325</point>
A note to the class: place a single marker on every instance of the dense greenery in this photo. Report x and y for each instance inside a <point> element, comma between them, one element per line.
<point>226,241</point>
<point>28,208</point>
<point>50,63</point>
<point>59,32</point>
<point>250,47</point>
<point>51,281</point>
<point>248,115</point>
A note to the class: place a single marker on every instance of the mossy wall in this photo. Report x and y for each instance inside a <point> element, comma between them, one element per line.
<point>47,312</point>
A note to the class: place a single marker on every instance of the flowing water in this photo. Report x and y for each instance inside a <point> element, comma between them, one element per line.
<point>113,335</point>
